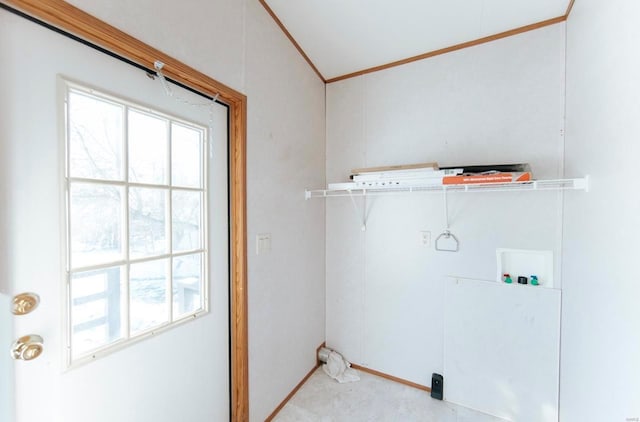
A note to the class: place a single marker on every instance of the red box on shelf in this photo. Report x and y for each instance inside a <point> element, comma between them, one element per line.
<point>487,178</point>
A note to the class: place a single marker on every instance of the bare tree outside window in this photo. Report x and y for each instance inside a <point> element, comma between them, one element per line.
<point>136,198</point>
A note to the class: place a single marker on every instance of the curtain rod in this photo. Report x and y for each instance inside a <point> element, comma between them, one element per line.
<point>104,50</point>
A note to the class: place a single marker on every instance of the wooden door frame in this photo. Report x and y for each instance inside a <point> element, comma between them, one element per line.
<point>70,19</point>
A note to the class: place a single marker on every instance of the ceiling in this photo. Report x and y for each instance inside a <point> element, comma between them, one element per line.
<point>340,37</point>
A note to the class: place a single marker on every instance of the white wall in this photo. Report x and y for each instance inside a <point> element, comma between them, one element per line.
<point>600,310</point>
<point>237,43</point>
<point>285,156</point>
<point>207,35</point>
<point>496,103</point>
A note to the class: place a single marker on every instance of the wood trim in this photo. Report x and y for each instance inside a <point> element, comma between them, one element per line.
<point>291,394</point>
<point>354,366</point>
<point>423,56</point>
<point>293,41</point>
<point>456,47</point>
<point>569,9</point>
<point>75,21</point>
<point>391,377</point>
<point>297,387</point>
<point>238,291</point>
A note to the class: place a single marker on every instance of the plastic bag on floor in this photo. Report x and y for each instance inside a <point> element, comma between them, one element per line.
<point>339,369</point>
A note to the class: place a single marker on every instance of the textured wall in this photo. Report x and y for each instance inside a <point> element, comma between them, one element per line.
<point>500,102</point>
<point>600,314</point>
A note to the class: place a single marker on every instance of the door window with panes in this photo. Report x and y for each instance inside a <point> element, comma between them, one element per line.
<point>136,221</point>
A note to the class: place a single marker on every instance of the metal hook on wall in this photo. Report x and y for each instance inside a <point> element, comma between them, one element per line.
<point>447,241</point>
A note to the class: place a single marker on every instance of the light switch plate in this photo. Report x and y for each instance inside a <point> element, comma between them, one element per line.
<point>263,243</point>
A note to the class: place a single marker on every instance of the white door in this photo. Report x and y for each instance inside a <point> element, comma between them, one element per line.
<point>6,367</point>
<point>167,373</point>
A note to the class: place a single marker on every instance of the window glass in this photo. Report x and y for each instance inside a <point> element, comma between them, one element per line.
<point>95,137</point>
<point>148,148</point>
<point>186,150</point>
<point>126,227</point>
<point>148,295</point>
<point>96,309</point>
<point>148,225</point>
<point>186,220</point>
<point>187,284</point>
<point>96,215</point>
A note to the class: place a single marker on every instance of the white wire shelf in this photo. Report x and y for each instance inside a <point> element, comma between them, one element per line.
<point>557,184</point>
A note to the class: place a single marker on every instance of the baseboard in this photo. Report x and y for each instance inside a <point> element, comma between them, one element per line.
<point>391,377</point>
<point>324,344</point>
<point>296,388</point>
<point>354,366</point>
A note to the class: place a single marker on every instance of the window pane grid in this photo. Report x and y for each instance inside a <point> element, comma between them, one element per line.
<point>133,184</point>
<point>127,264</point>
<point>170,226</point>
<point>160,279</point>
<point>136,261</point>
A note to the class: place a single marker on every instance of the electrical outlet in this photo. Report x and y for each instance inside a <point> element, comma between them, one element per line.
<point>425,238</point>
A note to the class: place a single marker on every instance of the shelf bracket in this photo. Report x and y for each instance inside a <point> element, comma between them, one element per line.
<point>362,218</point>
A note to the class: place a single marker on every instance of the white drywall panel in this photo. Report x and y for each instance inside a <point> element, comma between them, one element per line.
<point>345,279</point>
<point>600,359</point>
<point>345,146</point>
<point>403,303</point>
<point>285,155</point>
<point>207,35</point>
<point>345,253</point>
<point>498,102</point>
<point>502,349</point>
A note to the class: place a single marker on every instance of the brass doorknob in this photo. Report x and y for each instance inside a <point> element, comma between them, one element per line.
<point>27,347</point>
<point>25,303</point>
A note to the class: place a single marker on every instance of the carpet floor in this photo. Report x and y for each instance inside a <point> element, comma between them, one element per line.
<point>373,398</point>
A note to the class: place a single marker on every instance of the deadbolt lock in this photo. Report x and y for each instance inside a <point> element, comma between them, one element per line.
<point>27,347</point>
